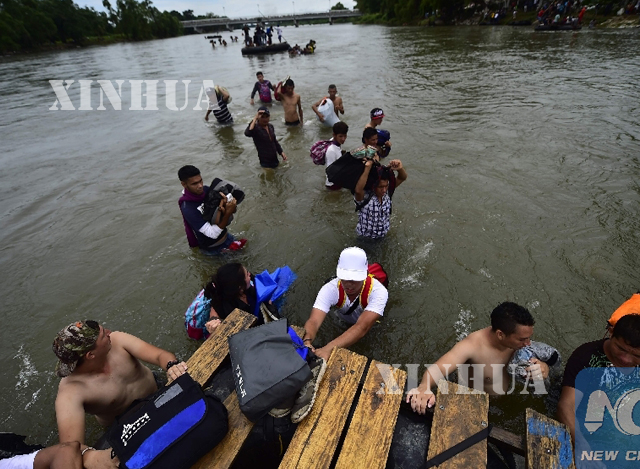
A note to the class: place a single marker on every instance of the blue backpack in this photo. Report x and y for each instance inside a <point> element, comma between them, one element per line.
<point>196,316</point>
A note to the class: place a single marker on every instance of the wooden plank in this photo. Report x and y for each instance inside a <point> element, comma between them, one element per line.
<point>548,443</point>
<point>507,440</point>
<point>460,412</point>
<point>299,330</point>
<point>371,430</point>
<point>317,436</point>
<point>223,455</point>
<point>498,436</point>
<point>206,360</point>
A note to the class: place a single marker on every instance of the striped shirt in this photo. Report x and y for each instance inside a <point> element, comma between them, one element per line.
<point>220,110</point>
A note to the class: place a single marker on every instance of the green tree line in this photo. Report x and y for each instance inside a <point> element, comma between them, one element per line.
<point>30,24</point>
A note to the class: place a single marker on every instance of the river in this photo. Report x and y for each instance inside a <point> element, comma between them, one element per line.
<point>521,150</point>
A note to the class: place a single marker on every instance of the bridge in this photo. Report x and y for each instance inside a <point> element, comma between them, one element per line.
<point>229,23</point>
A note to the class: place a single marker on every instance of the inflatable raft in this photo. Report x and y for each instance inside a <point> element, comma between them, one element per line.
<point>280,47</point>
<point>557,27</point>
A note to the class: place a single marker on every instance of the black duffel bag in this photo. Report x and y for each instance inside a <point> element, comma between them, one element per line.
<point>172,428</point>
<point>346,172</point>
<point>267,370</point>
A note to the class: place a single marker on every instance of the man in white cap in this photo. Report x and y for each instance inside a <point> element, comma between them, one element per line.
<point>358,297</point>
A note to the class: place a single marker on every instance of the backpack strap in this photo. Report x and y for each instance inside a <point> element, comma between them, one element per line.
<point>367,198</point>
<point>366,291</point>
<point>342,297</point>
<point>363,297</point>
<point>458,448</point>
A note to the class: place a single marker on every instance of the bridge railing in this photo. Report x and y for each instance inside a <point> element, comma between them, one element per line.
<point>300,16</point>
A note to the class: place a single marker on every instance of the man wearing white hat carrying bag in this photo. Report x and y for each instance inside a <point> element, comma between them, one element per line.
<point>358,297</point>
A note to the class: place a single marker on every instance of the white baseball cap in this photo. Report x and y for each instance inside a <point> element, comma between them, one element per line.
<point>352,264</point>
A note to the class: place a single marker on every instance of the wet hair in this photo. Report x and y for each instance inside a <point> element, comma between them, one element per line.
<point>340,128</point>
<point>227,284</point>
<point>187,172</point>
<point>368,133</point>
<point>333,87</point>
<point>384,174</point>
<point>289,82</point>
<point>628,329</point>
<point>259,73</point>
<point>506,316</point>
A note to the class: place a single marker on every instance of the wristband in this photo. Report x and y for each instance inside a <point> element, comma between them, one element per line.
<point>170,363</point>
<point>304,340</point>
<point>87,449</point>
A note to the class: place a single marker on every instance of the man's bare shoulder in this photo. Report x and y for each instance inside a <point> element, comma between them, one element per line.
<point>71,387</point>
<point>120,338</point>
<point>476,339</point>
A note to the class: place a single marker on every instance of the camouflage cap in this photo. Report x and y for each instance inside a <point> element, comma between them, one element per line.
<point>72,343</point>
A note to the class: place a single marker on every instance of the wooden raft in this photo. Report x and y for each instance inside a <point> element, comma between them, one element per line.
<point>317,436</point>
<point>548,443</point>
<point>206,360</point>
<point>370,433</point>
<point>460,412</point>
<point>202,365</point>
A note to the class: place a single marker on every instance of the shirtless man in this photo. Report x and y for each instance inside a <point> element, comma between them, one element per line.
<point>102,375</point>
<point>511,329</point>
<point>290,99</point>
<point>376,115</point>
<point>337,103</point>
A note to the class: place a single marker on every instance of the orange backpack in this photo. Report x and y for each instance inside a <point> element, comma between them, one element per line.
<point>631,306</point>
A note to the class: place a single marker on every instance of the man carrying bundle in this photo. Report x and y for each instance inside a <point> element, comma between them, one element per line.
<point>373,203</point>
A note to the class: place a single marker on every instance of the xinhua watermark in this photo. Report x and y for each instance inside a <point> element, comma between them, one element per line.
<point>140,95</point>
<point>496,379</point>
<point>606,413</point>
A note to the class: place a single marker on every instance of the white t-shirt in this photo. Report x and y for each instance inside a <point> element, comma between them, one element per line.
<point>333,153</point>
<point>328,296</point>
<point>24,461</point>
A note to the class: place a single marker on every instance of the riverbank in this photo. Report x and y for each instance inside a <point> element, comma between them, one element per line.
<point>90,41</point>
<point>522,18</point>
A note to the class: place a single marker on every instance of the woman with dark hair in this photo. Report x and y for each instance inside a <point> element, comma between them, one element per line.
<point>229,288</point>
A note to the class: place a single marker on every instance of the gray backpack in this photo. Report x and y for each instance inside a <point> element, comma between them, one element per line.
<point>267,370</point>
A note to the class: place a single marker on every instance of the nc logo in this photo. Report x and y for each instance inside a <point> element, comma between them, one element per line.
<point>621,413</point>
